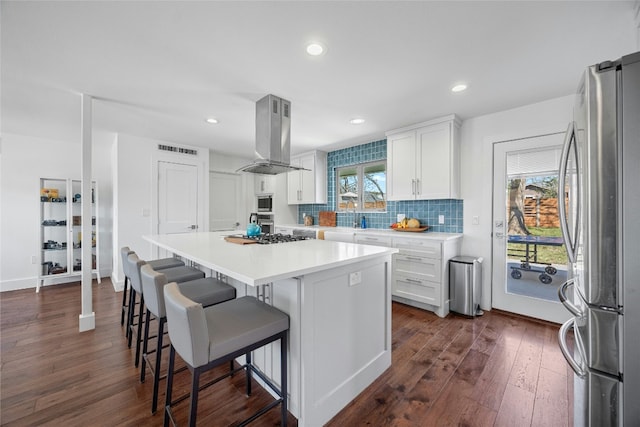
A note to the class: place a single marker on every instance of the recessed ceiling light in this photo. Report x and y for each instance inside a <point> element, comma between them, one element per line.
<point>315,49</point>
<point>356,121</point>
<point>459,87</point>
<point>212,120</point>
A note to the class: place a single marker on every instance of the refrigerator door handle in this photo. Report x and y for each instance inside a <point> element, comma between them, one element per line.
<point>562,294</point>
<point>564,348</point>
<point>570,244</point>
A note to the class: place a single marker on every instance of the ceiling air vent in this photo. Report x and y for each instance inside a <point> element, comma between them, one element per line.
<point>177,149</point>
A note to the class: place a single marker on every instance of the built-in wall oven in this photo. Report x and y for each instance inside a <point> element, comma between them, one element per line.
<point>265,203</point>
<point>266,223</point>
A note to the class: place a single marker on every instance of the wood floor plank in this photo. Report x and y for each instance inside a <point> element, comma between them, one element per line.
<point>516,408</point>
<point>551,399</point>
<point>524,373</point>
<point>452,371</point>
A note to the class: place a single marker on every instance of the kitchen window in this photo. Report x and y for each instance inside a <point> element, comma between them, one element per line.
<point>362,187</point>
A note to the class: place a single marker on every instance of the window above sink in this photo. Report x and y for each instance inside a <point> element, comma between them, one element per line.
<point>362,187</point>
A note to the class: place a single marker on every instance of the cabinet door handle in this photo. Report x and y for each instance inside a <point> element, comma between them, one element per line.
<point>418,187</point>
<point>413,187</point>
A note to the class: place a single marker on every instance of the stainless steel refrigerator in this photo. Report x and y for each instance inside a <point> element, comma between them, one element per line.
<point>600,220</point>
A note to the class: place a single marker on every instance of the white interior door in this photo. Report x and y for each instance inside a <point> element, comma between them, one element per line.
<point>224,201</point>
<point>519,282</point>
<point>177,198</point>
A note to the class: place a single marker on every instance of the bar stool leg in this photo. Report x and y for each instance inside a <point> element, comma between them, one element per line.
<point>167,404</point>
<point>124,300</point>
<point>249,372</point>
<point>193,405</point>
<point>132,304</point>
<point>283,378</point>
<point>145,340</point>
<point>139,331</point>
<point>156,377</point>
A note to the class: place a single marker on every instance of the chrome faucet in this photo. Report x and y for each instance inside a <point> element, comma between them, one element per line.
<point>355,215</point>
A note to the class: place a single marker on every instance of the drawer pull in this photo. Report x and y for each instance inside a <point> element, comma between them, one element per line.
<point>413,258</point>
<point>414,281</point>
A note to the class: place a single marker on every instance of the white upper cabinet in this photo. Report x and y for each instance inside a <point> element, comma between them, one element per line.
<point>308,186</point>
<point>265,184</point>
<point>423,161</point>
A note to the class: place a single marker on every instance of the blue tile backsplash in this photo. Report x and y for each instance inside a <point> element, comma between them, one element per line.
<point>427,211</point>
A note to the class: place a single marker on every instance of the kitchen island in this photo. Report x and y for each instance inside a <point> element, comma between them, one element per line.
<point>338,298</point>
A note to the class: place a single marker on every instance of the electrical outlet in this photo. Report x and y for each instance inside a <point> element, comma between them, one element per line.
<point>355,278</point>
<point>475,220</point>
<point>440,219</point>
<point>401,217</point>
<point>34,259</point>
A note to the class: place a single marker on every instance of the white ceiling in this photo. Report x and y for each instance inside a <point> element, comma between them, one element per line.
<point>158,69</point>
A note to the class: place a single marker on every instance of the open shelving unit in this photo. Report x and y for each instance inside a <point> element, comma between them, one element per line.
<point>60,230</point>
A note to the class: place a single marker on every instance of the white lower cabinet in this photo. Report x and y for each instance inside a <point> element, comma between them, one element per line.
<point>366,239</point>
<point>419,290</point>
<point>283,230</point>
<point>423,266</point>
<point>421,273</point>
<point>338,236</point>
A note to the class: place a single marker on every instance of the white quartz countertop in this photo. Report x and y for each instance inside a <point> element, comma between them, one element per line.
<point>256,264</point>
<point>432,235</point>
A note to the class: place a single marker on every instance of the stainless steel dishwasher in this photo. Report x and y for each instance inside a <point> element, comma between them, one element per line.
<point>465,285</point>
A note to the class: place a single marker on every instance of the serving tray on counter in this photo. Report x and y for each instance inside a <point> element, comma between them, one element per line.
<point>412,230</point>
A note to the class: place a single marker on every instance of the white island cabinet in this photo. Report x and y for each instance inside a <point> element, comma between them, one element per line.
<point>338,297</point>
<point>423,161</point>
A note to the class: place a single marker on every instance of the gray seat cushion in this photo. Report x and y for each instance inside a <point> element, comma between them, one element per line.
<point>238,323</point>
<point>182,274</point>
<point>207,291</point>
<point>161,264</point>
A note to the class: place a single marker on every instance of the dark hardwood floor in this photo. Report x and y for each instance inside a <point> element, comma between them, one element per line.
<point>493,370</point>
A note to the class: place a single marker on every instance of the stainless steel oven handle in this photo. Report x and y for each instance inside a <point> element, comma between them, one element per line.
<point>562,174</point>
<point>562,294</point>
<point>564,348</point>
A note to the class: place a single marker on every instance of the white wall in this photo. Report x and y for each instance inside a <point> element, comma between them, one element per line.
<point>284,214</point>
<point>134,194</point>
<point>23,162</point>
<point>477,138</point>
<point>219,162</point>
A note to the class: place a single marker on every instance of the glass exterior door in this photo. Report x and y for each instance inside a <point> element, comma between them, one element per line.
<point>529,259</point>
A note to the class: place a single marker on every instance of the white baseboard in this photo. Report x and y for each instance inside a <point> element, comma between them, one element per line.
<point>31,282</point>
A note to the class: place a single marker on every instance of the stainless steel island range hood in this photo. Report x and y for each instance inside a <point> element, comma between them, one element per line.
<point>273,137</point>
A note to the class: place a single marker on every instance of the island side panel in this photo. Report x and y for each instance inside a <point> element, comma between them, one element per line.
<point>345,335</point>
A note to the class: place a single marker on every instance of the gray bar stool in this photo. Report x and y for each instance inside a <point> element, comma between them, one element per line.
<point>157,264</point>
<point>175,274</point>
<point>207,291</point>
<point>207,337</point>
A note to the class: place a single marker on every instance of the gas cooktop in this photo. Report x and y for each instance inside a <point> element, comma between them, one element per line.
<point>268,239</point>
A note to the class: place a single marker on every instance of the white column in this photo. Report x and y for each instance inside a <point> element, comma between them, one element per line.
<point>87,317</point>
